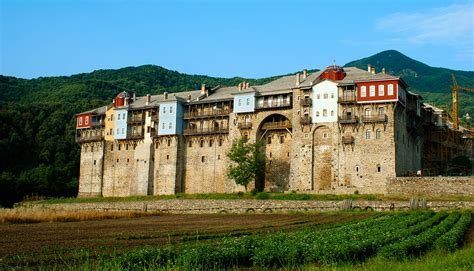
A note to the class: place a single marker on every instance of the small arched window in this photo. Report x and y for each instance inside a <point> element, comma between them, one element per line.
<point>201,144</point>
<point>317,113</point>
<point>332,113</point>
<point>368,134</point>
<point>379,168</point>
<point>211,142</point>
<point>378,134</point>
<point>367,112</point>
<point>325,113</point>
<point>381,110</point>
<point>190,143</point>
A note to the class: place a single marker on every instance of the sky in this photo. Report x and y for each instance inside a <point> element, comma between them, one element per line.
<point>245,38</point>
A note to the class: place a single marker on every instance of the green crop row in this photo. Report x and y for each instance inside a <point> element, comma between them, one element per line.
<point>394,235</point>
<point>417,244</point>
<point>450,240</point>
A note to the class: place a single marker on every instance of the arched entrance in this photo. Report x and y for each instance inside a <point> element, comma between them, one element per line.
<point>275,132</point>
<point>322,169</point>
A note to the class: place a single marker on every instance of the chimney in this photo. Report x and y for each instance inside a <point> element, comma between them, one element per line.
<point>166,95</point>
<point>203,89</point>
<point>383,70</point>
<point>134,96</point>
<point>148,99</point>
<point>239,86</point>
<point>305,73</point>
<point>247,85</point>
<point>189,98</point>
<point>297,79</point>
<point>244,84</point>
<point>125,101</point>
<point>373,70</point>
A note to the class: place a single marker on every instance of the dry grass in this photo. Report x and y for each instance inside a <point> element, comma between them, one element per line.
<point>19,216</point>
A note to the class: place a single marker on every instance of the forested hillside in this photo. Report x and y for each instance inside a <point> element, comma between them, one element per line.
<point>37,117</point>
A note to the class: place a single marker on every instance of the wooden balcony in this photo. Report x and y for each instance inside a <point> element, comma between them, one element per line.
<point>347,139</point>
<point>207,114</point>
<point>306,120</point>
<point>266,105</point>
<point>136,121</point>
<point>155,117</point>
<point>306,102</point>
<point>205,131</point>
<point>347,98</point>
<point>374,118</point>
<point>348,119</point>
<point>244,125</point>
<point>85,139</point>
<point>98,124</point>
<point>279,125</point>
<point>136,136</point>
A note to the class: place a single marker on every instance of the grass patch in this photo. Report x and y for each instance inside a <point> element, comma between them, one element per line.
<point>20,216</point>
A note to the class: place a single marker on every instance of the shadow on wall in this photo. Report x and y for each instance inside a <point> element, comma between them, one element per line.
<point>277,175</point>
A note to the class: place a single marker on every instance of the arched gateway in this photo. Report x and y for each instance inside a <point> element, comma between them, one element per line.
<point>276,132</point>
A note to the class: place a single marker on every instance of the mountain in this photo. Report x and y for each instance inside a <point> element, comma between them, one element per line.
<point>434,84</point>
<point>38,155</point>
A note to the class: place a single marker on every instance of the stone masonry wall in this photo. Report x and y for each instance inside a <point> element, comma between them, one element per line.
<point>431,186</point>
<point>92,155</point>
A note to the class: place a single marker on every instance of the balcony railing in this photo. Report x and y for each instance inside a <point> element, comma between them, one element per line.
<point>155,117</point>
<point>84,139</point>
<point>278,125</point>
<point>136,136</point>
<point>347,139</point>
<point>305,120</point>
<point>347,99</point>
<point>275,104</point>
<point>348,119</point>
<point>306,102</point>
<point>374,118</point>
<point>244,125</point>
<point>136,120</point>
<point>205,114</point>
<point>205,131</point>
<point>97,124</point>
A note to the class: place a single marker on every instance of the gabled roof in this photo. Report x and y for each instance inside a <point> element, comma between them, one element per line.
<point>96,111</point>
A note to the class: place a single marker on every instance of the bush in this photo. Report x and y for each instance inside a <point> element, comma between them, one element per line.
<point>254,192</point>
<point>452,238</point>
<point>263,195</point>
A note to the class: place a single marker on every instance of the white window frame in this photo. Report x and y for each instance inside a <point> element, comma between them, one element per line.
<point>240,102</point>
<point>248,101</point>
<point>368,134</point>
<point>171,109</point>
<point>86,121</point>
<point>170,126</point>
<point>372,91</point>
<point>381,90</point>
<point>80,120</point>
<point>363,91</point>
<point>390,89</point>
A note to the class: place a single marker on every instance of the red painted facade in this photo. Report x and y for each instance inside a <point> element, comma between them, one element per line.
<point>333,73</point>
<point>377,95</point>
<point>84,121</point>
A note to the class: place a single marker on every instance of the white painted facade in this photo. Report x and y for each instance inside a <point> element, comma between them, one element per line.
<point>325,102</point>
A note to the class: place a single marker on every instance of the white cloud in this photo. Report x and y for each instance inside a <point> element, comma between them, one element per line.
<point>451,25</point>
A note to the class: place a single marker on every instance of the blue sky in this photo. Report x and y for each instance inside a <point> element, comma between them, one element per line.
<point>228,38</point>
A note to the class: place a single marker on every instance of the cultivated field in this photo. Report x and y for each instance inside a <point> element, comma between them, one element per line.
<point>344,240</point>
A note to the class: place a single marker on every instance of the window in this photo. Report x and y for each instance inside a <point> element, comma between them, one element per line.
<point>248,101</point>
<point>269,139</point>
<point>381,90</point>
<point>332,95</point>
<point>378,134</point>
<point>87,120</point>
<point>357,168</point>
<point>368,112</point>
<point>190,143</point>
<point>118,117</point>
<point>80,120</point>
<point>240,102</point>
<point>119,146</point>
<point>112,117</point>
<point>203,159</point>
<point>164,109</point>
<point>163,125</point>
<point>112,147</point>
<point>379,168</point>
<point>170,126</point>
<point>363,91</point>
<point>111,132</point>
<point>201,144</point>
<point>123,115</point>
<point>390,89</point>
<point>211,142</point>
<point>318,96</point>
<point>282,139</point>
<point>220,141</point>
<point>171,110</point>
<point>332,113</point>
<point>372,91</point>
<point>317,113</point>
<point>218,157</point>
<point>325,135</point>
<point>325,96</point>
<point>126,147</point>
<point>325,113</point>
<point>118,131</point>
<point>123,131</point>
<point>128,160</point>
<point>167,157</point>
<point>368,134</point>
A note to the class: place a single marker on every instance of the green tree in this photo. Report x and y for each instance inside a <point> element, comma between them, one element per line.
<point>248,162</point>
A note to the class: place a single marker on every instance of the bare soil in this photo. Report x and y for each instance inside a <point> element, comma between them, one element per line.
<point>28,243</point>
